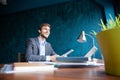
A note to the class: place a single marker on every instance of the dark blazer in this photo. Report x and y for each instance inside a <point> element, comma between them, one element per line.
<point>33,51</point>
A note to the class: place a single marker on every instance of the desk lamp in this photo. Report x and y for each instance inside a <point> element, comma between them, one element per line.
<point>82,38</point>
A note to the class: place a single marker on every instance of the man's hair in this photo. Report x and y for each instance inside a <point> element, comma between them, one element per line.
<point>43,24</point>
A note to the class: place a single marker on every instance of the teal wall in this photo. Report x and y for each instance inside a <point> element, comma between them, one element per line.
<point>20,5</point>
<point>67,21</point>
<point>108,7</point>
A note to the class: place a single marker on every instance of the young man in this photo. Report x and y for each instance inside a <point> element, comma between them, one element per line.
<point>38,49</point>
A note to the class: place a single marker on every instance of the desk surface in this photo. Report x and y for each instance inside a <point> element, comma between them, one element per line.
<point>84,73</point>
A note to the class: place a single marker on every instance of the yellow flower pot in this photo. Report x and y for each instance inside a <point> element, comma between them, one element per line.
<point>109,43</point>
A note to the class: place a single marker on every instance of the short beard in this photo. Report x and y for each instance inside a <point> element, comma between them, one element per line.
<point>43,36</point>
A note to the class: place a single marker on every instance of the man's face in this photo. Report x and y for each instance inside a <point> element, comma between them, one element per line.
<point>45,31</point>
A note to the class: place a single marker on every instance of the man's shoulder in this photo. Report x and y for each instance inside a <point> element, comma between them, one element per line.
<point>32,38</point>
<point>48,43</point>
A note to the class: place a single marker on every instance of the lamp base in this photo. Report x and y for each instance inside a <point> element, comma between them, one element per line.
<point>91,51</point>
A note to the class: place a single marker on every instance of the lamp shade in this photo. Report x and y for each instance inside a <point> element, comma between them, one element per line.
<point>82,37</point>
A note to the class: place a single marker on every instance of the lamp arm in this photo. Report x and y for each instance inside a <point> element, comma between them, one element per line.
<point>93,43</point>
<point>93,49</point>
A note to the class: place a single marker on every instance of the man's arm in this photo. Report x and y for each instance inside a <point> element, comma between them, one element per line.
<point>52,55</point>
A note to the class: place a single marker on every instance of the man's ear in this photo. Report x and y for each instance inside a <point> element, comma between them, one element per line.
<point>39,31</point>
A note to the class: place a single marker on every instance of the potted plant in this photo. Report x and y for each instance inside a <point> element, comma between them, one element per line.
<point>109,43</point>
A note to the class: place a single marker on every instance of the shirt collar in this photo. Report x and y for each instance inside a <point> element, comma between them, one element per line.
<point>40,41</point>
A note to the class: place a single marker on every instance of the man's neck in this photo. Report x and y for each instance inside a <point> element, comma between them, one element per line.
<point>42,38</point>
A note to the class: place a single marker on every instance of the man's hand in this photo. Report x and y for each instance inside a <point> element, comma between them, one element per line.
<point>53,58</point>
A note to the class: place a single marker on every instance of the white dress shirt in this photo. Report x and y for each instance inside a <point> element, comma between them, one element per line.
<point>42,49</point>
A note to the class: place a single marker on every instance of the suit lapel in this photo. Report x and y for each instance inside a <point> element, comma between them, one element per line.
<point>46,48</point>
<point>37,43</point>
